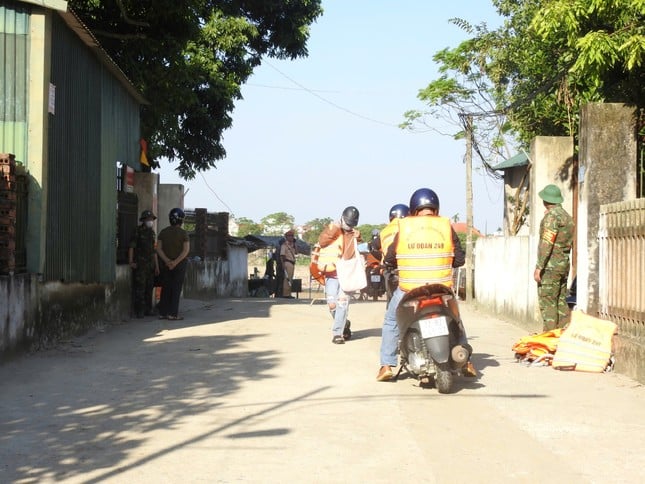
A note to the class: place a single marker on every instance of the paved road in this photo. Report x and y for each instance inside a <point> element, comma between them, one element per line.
<point>253,391</point>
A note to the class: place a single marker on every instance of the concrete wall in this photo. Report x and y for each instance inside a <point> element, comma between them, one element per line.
<point>504,282</point>
<point>213,278</point>
<point>38,314</point>
<point>607,174</point>
<point>19,312</point>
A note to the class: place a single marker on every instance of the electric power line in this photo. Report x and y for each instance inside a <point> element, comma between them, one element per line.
<point>214,193</point>
<point>337,106</point>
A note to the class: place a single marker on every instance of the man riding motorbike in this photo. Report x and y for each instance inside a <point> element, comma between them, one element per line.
<point>422,255</point>
<point>397,211</point>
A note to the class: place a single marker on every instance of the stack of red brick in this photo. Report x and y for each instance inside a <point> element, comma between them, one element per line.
<point>7,213</point>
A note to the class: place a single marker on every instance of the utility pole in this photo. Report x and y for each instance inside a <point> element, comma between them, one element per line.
<point>468,119</point>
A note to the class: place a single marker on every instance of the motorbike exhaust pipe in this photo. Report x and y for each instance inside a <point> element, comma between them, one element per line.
<point>459,354</point>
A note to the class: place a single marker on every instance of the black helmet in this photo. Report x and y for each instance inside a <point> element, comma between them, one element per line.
<point>400,210</point>
<point>147,214</point>
<point>350,216</point>
<point>176,216</point>
<point>423,198</point>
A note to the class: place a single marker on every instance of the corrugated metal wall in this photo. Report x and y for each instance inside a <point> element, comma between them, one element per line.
<point>14,52</point>
<point>96,124</point>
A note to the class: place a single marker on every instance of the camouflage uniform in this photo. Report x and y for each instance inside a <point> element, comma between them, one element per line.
<point>556,238</point>
<point>143,243</point>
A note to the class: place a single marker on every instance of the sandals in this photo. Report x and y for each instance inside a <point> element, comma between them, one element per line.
<point>175,318</point>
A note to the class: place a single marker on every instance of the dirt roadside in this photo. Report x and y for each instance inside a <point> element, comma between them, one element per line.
<point>252,390</point>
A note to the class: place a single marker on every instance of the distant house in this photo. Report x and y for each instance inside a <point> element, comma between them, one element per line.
<point>462,228</point>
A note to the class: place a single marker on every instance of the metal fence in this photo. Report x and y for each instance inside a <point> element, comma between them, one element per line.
<point>621,239</point>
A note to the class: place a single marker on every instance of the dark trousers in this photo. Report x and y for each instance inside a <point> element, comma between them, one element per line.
<point>143,281</point>
<point>173,280</point>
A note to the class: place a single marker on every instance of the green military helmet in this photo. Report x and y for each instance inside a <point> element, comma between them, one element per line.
<point>147,214</point>
<point>551,194</point>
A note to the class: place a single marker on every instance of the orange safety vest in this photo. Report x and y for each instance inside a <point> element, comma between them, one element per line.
<point>585,344</point>
<point>424,252</point>
<point>328,256</point>
<point>387,235</point>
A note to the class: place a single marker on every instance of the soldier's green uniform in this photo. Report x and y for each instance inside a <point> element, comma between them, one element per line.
<point>143,274</point>
<point>556,239</point>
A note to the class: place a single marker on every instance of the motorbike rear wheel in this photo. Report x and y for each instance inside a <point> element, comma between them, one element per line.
<point>443,379</point>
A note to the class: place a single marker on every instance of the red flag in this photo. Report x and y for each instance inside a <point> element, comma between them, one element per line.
<point>143,159</point>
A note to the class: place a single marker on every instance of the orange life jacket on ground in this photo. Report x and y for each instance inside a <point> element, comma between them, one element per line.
<point>424,252</point>
<point>537,346</point>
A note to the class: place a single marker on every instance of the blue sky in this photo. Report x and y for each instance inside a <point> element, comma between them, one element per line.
<point>314,135</point>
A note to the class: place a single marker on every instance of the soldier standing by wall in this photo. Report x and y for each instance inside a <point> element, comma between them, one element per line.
<point>144,264</point>
<point>552,267</point>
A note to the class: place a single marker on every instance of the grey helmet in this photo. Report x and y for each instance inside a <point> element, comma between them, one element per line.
<point>350,216</point>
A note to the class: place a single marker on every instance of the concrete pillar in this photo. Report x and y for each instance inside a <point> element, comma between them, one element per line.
<point>146,186</point>
<point>552,162</point>
<point>607,174</point>
<point>40,30</point>
<point>170,196</point>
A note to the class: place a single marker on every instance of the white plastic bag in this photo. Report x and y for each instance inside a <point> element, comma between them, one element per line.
<point>351,272</point>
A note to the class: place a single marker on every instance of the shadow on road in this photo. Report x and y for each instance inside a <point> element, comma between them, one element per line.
<point>84,405</point>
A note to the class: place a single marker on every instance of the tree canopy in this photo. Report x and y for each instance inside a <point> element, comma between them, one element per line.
<point>189,58</point>
<point>535,71</point>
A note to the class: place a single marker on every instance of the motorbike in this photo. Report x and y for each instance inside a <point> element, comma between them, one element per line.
<point>430,334</point>
<point>374,273</point>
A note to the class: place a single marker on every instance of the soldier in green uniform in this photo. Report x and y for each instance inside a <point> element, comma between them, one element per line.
<point>552,267</point>
<point>143,261</point>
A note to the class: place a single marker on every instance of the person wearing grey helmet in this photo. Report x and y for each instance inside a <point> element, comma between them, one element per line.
<point>337,241</point>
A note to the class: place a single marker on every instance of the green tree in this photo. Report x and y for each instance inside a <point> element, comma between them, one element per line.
<point>277,223</point>
<point>246,226</point>
<point>537,69</point>
<point>189,58</point>
<point>366,230</point>
<point>547,60</point>
<point>463,100</point>
<point>313,228</point>
<point>462,236</point>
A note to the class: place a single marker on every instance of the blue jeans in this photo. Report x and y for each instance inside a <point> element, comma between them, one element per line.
<point>338,301</point>
<point>390,332</point>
